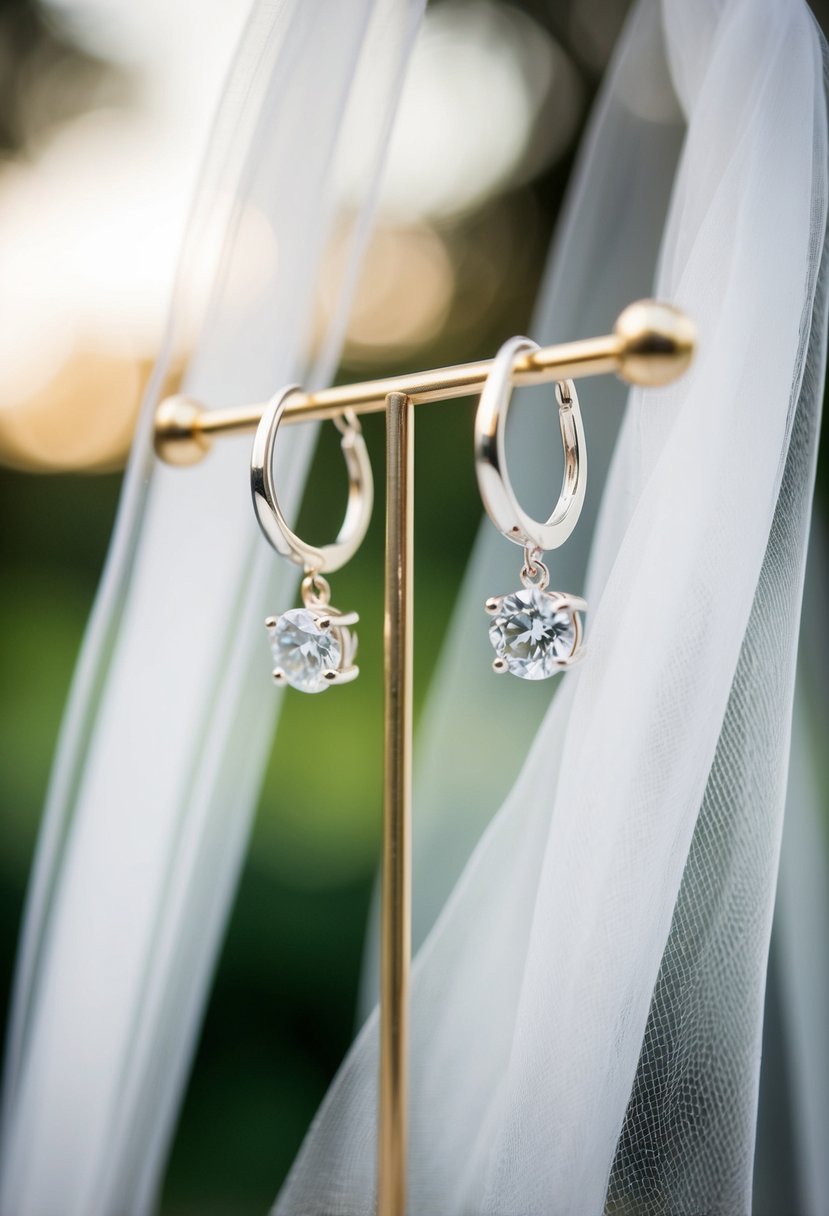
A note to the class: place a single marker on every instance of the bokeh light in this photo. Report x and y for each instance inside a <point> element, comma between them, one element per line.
<point>92,215</point>
<point>480,74</point>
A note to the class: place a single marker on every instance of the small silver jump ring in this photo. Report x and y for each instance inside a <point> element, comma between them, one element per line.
<point>347,423</point>
<point>324,558</point>
<point>315,591</point>
<point>535,574</point>
<point>496,489</point>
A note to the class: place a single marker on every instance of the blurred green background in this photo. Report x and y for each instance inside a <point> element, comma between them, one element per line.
<point>283,1006</point>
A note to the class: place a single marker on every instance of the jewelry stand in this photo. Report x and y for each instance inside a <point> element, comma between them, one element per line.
<point>652,344</point>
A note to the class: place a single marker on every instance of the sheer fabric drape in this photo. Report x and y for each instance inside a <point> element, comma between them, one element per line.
<point>172,708</point>
<point>596,864</point>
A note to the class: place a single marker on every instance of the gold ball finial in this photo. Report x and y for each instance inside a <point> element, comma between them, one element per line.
<point>657,343</point>
<point>179,439</point>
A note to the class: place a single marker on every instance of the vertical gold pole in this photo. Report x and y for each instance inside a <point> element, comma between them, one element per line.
<point>396,925</point>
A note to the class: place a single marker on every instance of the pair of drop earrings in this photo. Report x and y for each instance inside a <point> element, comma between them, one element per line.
<point>535,632</point>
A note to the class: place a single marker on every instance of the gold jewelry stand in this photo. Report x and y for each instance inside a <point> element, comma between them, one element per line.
<point>652,344</point>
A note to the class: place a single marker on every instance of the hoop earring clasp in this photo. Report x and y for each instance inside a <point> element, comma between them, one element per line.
<point>494,483</point>
<point>314,559</point>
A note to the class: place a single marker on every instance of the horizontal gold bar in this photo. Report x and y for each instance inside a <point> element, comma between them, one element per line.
<point>443,384</point>
<point>651,344</point>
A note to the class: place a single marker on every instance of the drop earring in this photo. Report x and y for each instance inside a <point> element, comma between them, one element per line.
<point>535,633</point>
<point>313,646</point>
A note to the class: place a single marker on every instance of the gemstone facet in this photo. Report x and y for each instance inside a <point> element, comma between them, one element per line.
<point>303,651</point>
<point>533,632</point>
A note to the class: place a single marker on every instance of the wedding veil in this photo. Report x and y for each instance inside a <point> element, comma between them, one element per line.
<point>169,723</point>
<point>588,993</point>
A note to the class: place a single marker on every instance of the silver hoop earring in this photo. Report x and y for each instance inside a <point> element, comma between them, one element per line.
<point>313,646</point>
<point>535,632</point>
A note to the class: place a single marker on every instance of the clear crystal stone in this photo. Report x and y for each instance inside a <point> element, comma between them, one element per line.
<point>532,634</point>
<point>303,651</point>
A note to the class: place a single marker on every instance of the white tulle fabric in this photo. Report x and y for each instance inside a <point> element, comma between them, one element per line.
<point>172,710</point>
<point>588,992</point>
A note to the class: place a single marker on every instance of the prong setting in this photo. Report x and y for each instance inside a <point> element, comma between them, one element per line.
<point>342,676</point>
<point>312,646</point>
<point>570,603</point>
<point>347,618</point>
<point>573,659</point>
<point>535,633</point>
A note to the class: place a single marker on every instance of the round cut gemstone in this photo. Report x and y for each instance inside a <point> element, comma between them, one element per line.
<point>303,651</point>
<point>532,634</point>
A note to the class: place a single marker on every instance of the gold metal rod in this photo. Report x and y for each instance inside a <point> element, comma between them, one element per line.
<point>651,344</point>
<point>396,917</point>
